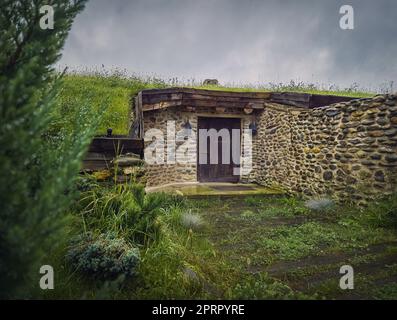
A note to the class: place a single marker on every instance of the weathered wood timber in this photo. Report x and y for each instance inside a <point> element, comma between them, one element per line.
<point>115,145</point>
<point>103,150</point>
<point>318,100</point>
<point>219,93</point>
<point>156,99</point>
<point>305,100</point>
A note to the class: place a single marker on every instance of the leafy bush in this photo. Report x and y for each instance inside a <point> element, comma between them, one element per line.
<point>125,210</point>
<point>105,256</point>
<point>320,204</point>
<point>36,176</point>
<point>284,207</point>
<point>191,221</point>
<point>386,292</point>
<point>383,213</point>
<point>261,287</point>
<point>252,201</point>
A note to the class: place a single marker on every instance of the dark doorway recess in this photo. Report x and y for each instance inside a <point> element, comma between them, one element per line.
<point>219,172</point>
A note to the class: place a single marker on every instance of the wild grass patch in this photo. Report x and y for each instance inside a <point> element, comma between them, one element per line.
<point>314,238</point>
<point>280,207</point>
<point>208,248</point>
<point>118,89</point>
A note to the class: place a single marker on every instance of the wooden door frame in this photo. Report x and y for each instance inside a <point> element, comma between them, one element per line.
<point>198,142</point>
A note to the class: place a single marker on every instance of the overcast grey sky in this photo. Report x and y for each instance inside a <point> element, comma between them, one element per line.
<point>239,41</point>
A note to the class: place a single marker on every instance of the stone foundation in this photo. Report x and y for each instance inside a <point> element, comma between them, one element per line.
<point>347,150</point>
<point>159,174</point>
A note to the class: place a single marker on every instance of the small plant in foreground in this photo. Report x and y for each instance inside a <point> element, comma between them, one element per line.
<point>383,213</point>
<point>252,201</point>
<point>191,221</point>
<point>125,210</point>
<point>105,256</point>
<point>320,204</point>
<point>261,287</point>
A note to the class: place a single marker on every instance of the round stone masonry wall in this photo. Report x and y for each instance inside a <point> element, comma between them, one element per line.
<point>346,150</point>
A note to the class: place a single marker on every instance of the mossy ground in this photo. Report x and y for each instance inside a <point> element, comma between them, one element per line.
<point>212,189</point>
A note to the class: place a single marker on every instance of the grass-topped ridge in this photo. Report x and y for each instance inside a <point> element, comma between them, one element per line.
<point>116,90</point>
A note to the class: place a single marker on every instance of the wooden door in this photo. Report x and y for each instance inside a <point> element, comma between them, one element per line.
<point>219,172</point>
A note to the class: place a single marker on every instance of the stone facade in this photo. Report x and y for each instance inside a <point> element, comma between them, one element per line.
<point>167,173</point>
<point>347,150</point>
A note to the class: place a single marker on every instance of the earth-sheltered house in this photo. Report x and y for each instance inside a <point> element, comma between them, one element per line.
<point>304,143</point>
<point>301,143</point>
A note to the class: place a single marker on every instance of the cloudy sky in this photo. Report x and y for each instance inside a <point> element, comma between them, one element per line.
<point>239,41</point>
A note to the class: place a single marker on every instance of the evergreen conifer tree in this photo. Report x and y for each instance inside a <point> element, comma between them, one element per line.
<point>35,176</point>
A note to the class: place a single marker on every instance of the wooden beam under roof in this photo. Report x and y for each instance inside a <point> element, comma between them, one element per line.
<point>154,99</point>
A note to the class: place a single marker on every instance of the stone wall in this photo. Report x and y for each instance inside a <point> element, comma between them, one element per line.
<point>160,174</point>
<point>347,150</point>
<point>166,173</point>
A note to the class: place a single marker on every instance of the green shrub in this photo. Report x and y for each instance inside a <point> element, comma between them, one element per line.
<point>284,207</point>
<point>261,287</point>
<point>86,182</point>
<point>124,209</point>
<point>320,204</point>
<point>106,256</point>
<point>252,201</point>
<point>383,213</point>
<point>36,176</point>
<point>191,221</point>
<point>386,292</point>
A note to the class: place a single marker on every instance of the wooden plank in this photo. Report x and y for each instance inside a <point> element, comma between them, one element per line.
<point>293,96</point>
<point>161,105</point>
<point>306,100</point>
<point>291,99</point>
<point>216,103</point>
<point>318,100</point>
<point>220,93</point>
<point>296,96</point>
<point>158,101</point>
<point>140,114</point>
<point>136,129</point>
<point>189,96</point>
<point>113,146</point>
<point>103,150</point>
<point>97,156</point>
<point>154,98</point>
<point>95,164</point>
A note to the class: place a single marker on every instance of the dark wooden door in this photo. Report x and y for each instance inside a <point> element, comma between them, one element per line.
<point>219,172</point>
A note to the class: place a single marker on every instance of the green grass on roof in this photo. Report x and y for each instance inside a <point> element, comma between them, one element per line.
<point>344,93</point>
<point>116,92</point>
